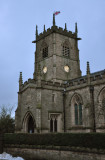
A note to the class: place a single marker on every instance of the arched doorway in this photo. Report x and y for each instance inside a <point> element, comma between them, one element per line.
<point>30,125</point>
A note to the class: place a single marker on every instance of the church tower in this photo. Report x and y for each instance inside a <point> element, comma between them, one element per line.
<point>58,98</point>
<point>57,54</point>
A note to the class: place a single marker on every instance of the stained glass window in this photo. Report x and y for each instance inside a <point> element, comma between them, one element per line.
<point>78,114</point>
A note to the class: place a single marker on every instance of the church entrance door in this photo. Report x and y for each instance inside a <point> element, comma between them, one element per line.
<point>30,125</point>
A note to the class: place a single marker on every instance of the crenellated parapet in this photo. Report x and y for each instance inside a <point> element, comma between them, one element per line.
<point>77,81</point>
<point>26,83</point>
<point>51,83</point>
<point>94,78</point>
<point>55,29</point>
<point>83,80</point>
<point>97,76</point>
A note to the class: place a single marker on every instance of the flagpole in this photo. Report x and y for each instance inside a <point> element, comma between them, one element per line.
<point>53,19</point>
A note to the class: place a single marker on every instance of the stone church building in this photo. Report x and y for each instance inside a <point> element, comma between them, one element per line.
<point>59,98</point>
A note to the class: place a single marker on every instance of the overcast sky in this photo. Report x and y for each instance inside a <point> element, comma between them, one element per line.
<point>18,19</point>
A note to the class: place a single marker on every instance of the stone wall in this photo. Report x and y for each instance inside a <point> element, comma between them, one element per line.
<point>73,147</point>
<point>40,103</point>
<point>45,154</point>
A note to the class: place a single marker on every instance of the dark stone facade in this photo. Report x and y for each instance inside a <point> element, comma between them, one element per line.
<point>59,98</point>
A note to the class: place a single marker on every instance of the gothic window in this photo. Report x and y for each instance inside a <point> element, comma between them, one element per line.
<point>44,49</point>
<point>103,107</point>
<point>65,48</point>
<point>103,103</point>
<point>45,52</point>
<point>77,110</point>
<point>53,123</point>
<point>65,51</point>
<point>78,114</point>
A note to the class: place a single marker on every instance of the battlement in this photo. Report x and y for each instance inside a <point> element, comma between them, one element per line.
<point>32,81</point>
<point>84,79</point>
<point>50,83</point>
<point>56,29</point>
<point>97,75</point>
<point>94,77</point>
<point>77,81</point>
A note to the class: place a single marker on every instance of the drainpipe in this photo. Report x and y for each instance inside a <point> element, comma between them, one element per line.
<point>93,107</point>
<point>64,99</point>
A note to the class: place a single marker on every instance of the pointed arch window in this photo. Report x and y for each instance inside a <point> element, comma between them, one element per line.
<point>78,114</point>
<point>77,109</point>
<point>103,108</point>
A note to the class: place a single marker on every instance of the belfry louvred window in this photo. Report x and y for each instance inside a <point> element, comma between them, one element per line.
<point>65,51</point>
<point>45,52</point>
<point>44,49</point>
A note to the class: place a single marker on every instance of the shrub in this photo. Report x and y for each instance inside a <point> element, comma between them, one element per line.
<point>88,140</point>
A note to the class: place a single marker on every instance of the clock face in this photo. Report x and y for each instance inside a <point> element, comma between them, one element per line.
<point>66,69</point>
<point>45,70</point>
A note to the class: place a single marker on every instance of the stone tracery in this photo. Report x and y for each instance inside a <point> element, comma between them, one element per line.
<point>76,107</point>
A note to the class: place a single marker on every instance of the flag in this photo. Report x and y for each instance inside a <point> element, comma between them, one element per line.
<point>56,13</point>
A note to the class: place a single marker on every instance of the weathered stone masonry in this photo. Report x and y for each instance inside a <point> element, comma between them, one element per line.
<point>59,98</point>
<point>56,153</point>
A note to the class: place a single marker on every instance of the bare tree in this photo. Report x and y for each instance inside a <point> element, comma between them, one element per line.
<point>7,123</point>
